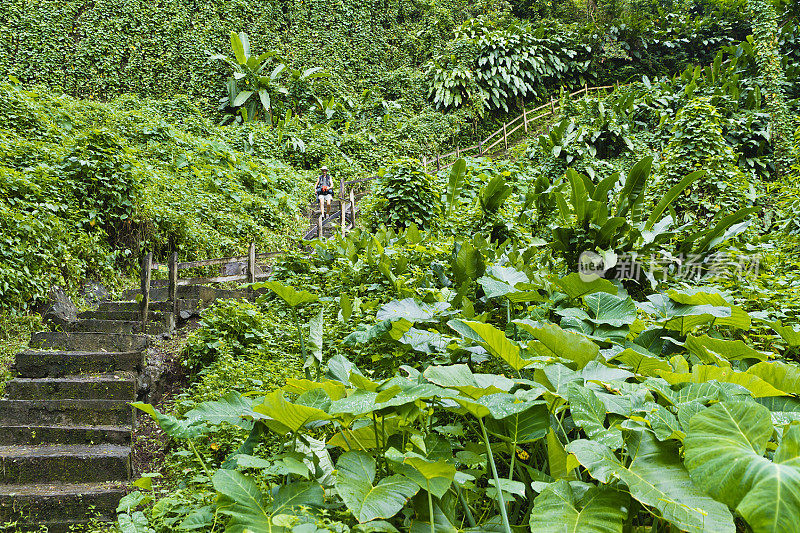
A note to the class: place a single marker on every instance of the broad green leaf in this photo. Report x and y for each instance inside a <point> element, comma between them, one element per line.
<point>523,426</point>
<point>782,376</point>
<point>460,378</point>
<point>724,447</point>
<point>632,192</point>
<point>576,285</point>
<point>364,438</point>
<point>491,338</point>
<point>610,309</point>
<point>242,501</point>
<point>656,478</point>
<point>705,373</point>
<point>241,98</point>
<point>642,361</point>
<point>230,408</point>
<point>671,195</point>
<point>455,183</point>
<point>334,389</point>
<point>562,464</point>
<point>589,413</point>
<point>177,429</point>
<point>708,349</point>
<point>355,476</point>
<point>555,342</point>
<point>558,510</point>
<point>305,493</point>
<point>788,333</point>
<point>412,310</point>
<point>238,48</point>
<point>315,326</point>
<point>288,294</point>
<point>283,416</point>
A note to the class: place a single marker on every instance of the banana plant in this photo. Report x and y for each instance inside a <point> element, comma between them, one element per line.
<point>256,82</point>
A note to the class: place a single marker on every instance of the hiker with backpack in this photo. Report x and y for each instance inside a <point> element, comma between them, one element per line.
<point>324,188</point>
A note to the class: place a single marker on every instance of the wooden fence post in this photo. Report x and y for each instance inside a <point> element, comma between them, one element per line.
<point>480,148</point>
<point>147,265</point>
<point>438,163</point>
<point>425,163</point>
<point>173,284</point>
<point>586,89</point>
<point>525,117</point>
<point>352,208</point>
<point>552,105</point>
<point>251,263</point>
<point>505,136</point>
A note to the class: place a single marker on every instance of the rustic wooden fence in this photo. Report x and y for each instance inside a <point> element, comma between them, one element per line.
<point>250,275</point>
<point>503,134</point>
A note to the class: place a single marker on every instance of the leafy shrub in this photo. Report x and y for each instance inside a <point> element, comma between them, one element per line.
<point>405,194</point>
<point>697,143</point>
<point>232,327</point>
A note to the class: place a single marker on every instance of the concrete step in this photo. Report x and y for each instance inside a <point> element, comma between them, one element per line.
<point>59,506</point>
<point>40,364</point>
<point>125,327</point>
<point>120,386</point>
<point>10,434</point>
<point>126,316</point>
<point>191,292</point>
<point>66,412</point>
<point>89,341</point>
<point>192,305</point>
<point>68,463</point>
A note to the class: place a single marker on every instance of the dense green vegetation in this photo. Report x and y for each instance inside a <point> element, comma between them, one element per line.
<point>596,331</point>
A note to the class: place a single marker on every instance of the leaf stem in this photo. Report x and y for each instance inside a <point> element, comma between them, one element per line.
<point>202,463</point>
<point>500,500</point>
<point>430,506</point>
<point>302,342</point>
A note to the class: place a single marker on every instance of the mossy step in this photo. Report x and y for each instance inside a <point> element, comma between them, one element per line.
<point>119,386</point>
<point>68,463</point>
<point>59,506</point>
<point>89,341</point>
<point>120,326</point>
<point>127,316</point>
<point>10,434</point>
<point>190,306</point>
<point>193,292</point>
<point>56,363</point>
<point>66,412</point>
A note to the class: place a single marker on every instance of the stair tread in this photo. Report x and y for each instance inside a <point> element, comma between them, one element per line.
<point>62,489</point>
<point>64,450</point>
<point>100,427</point>
<point>83,378</point>
<point>87,353</point>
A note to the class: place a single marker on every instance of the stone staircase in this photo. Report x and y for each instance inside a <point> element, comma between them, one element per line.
<point>65,421</point>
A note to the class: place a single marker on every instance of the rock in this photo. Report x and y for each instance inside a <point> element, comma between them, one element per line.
<point>95,291</point>
<point>59,309</point>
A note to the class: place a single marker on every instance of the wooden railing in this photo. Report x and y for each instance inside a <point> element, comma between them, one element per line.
<point>174,266</point>
<point>502,135</point>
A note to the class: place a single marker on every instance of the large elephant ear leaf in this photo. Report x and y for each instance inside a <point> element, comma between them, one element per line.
<point>724,447</point>
<point>557,509</point>
<point>367,501</point>
<point>657,479</point>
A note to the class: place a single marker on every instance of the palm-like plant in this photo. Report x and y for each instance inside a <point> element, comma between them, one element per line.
<point>256,85</point>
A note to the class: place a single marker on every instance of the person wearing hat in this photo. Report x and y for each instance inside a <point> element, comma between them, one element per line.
<point>324,188</point>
